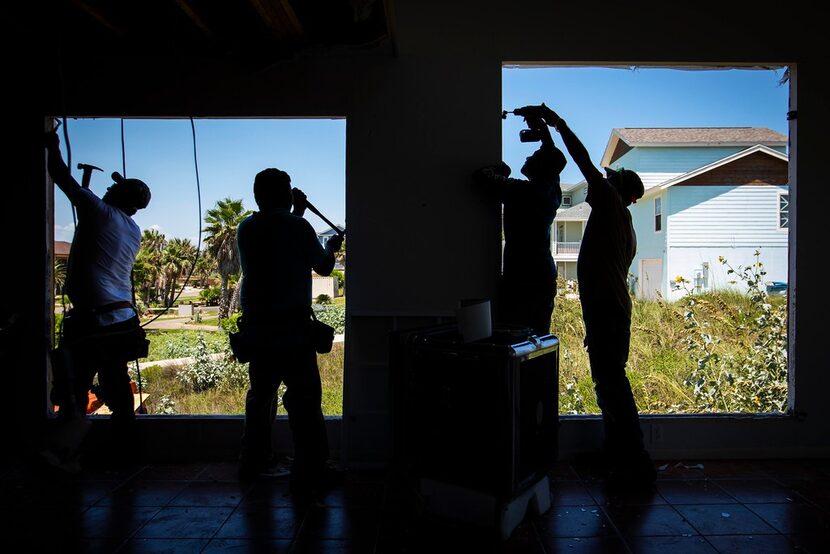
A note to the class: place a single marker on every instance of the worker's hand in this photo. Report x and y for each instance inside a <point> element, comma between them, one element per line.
<point>299,200</point>
<point>51,140</point>
<point>334,243</point>
<point>550,116</point>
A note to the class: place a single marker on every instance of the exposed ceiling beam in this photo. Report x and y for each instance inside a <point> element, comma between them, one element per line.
<point>194,17</point>
<point>98,16</point>
<point>279,18</point>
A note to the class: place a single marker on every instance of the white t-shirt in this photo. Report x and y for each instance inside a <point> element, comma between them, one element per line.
<point>102,256</point>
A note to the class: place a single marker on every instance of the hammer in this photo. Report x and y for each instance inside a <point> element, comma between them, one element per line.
<point>324,218</point>
<point>87,169</point>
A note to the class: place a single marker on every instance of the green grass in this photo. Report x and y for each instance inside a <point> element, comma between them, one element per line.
<point>659,361</point>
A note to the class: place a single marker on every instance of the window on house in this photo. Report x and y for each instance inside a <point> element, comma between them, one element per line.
<point>658,214</point>
<point>784,211</point>
<point>179,293</point>
<point>566,201</point>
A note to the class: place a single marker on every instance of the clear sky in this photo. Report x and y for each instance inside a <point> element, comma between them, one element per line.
<point>595,100</point>
<point>313,151</point>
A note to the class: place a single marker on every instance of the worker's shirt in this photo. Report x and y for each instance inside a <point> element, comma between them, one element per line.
<point>101,259</point>
<point>529,210</point>
<point>608,248</point>
<point>278,251</point>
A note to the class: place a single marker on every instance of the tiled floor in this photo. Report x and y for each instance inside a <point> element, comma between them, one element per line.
<point>774,506</point>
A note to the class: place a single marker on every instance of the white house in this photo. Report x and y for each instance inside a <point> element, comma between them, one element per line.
<point>710,193</point>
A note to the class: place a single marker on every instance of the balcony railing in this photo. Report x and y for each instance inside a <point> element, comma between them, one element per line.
<point>563,248</point>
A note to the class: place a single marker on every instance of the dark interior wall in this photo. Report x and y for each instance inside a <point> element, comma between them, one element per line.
<point>418,124</point>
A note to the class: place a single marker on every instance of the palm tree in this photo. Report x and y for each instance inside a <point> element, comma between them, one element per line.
<point>59,273</point>
<point>222,221</point>
<point>175,261</point>
<point>148,262</point>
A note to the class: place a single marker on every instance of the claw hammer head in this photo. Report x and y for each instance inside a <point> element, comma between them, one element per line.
<point>87,169</point>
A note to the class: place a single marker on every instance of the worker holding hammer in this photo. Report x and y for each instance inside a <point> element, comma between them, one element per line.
<point>101,332</point>
<point>278,250</point>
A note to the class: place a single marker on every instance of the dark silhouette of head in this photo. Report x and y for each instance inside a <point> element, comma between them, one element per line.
<point>545,163</point>
<point>272,189</point>
<point>129,195</point>
<point>627,184</point>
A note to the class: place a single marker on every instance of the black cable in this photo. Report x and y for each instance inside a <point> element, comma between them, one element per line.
<point>123,152</point>
<point>199,241</point>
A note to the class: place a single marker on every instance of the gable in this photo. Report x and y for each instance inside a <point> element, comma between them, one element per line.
<point>755,169</point>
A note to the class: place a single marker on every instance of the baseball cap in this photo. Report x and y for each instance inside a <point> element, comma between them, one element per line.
<point>136,191</point>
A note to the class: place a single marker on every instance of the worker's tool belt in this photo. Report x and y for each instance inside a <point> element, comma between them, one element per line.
<point>297,330</point>
<point>125,340</point>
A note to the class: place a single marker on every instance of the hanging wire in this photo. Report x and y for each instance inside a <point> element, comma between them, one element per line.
<point>123,152</point>
<point>199,241</point>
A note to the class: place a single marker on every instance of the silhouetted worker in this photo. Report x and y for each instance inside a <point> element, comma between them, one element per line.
<point>101,332</point>
<point>278,250</point>
<point>608,247</point>
<point>527,286</point>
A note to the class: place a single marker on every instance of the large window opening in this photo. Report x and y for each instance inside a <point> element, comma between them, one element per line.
<point>709,322</point>
<point>186,285</point>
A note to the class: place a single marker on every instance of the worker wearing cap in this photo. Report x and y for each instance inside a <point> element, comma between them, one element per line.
<point>608,247</point>
<point>101,332</point>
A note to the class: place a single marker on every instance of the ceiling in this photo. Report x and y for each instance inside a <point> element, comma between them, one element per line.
<point>269,29</point>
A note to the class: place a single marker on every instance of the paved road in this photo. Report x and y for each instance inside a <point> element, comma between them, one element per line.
<point>179,323</point>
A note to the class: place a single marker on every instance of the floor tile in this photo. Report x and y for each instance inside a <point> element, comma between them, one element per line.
<point>207,493</point>
<point>815,491</point>
<point>248,546</point>
<point>636,521</point>
<point>264,523</point>
<point>119,521</point>
<point>143,493</point>
<point>163,546</point>
<point>585,545</point>
<point>757,490</point>
<point>698,491</point>
<point>185,523</point>
<point>752,544</point>
<point>724,519</point>
<point>795,518</point>
<point>171,472</point>
<point>340,523</point>
<point>570,493</point>
<point>673,545</point>
<point>574,521</point>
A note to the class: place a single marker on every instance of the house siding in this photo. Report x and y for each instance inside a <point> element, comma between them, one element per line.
<point>650,244</point>
<point>707,222</point>
<point>675,159</point>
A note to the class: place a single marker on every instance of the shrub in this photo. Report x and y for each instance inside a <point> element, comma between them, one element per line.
<point>211,296</point>
<point>323,299</point>
<point>334,315</point>
<point>341,278</point>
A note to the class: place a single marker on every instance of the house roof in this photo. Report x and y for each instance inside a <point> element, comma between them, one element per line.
<point>758,148</point>
<point>577,212</point>
<point>653,183</point>
<point>624,139</point>
<point>62,249</point>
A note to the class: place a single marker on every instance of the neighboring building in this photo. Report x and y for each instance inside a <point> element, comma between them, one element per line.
<point>62,250</point>
<point>710,192</point>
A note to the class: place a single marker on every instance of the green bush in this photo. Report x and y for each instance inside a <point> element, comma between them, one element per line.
<point>322,299</point>
<point>341,278</point>
<point>334,315</point>
<point>211,296</point>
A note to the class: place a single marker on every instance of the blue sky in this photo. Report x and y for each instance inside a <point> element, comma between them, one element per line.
<point>313,151</point>
<point>595,100</point>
